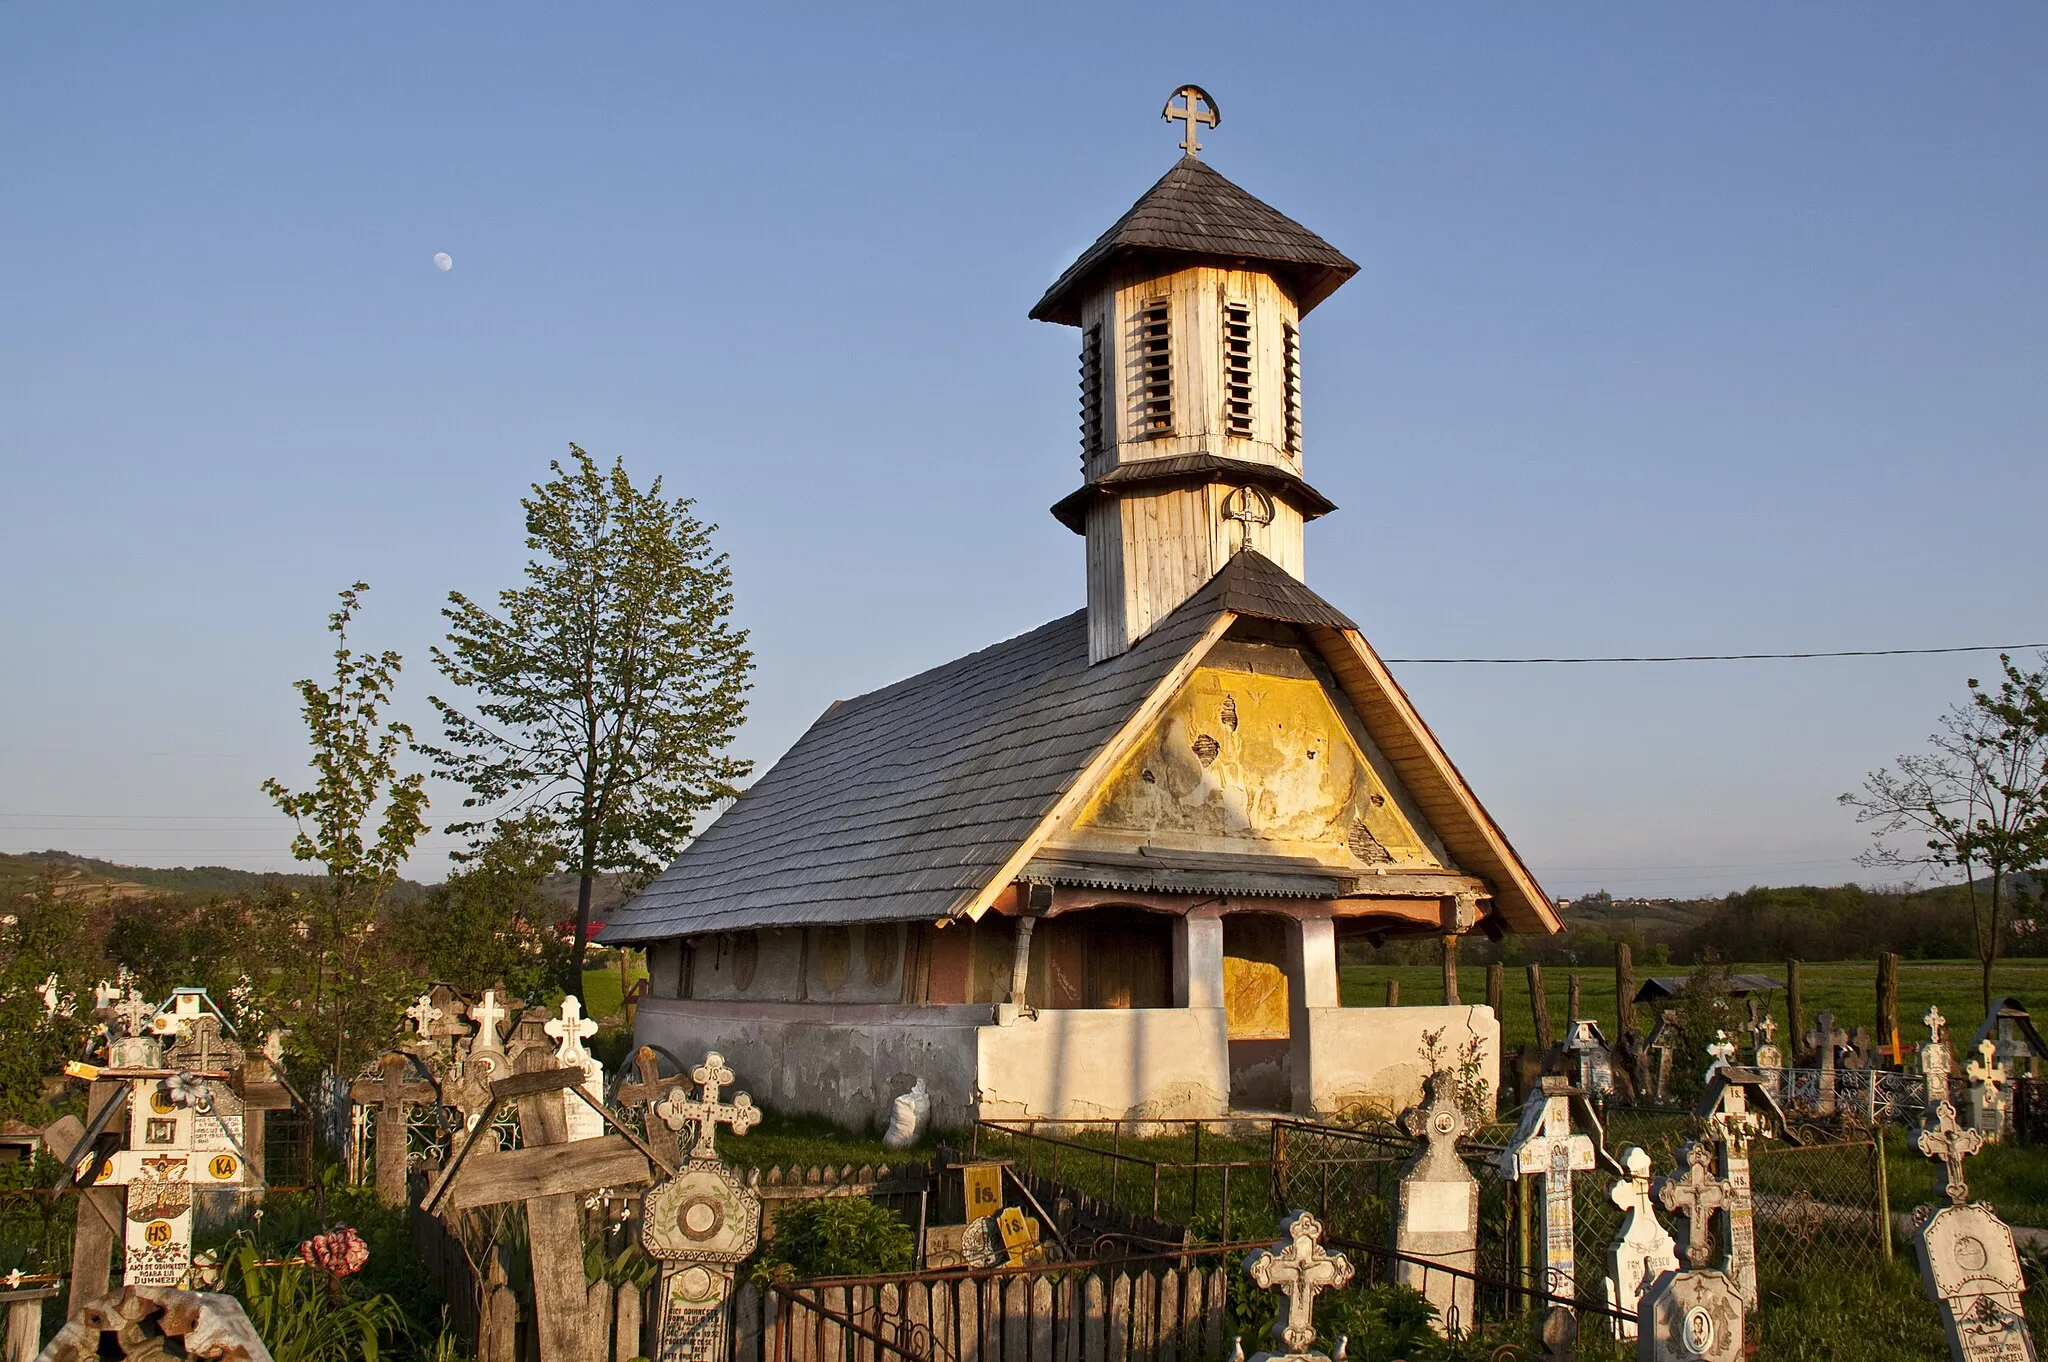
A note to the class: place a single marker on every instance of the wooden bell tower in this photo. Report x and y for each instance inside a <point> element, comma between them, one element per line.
<point>1190,311</point>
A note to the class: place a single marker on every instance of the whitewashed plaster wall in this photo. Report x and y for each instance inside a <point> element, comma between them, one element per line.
<point>1144,1063</point>
<point>1372,1056</point>
<point>845,1063</point>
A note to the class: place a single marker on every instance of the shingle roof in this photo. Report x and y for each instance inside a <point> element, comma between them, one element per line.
<point>1201,466</point>
<point>909,802</point>
<point>1193,211</point>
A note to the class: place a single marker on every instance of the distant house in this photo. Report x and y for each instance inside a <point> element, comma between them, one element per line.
<point>1663,986</point>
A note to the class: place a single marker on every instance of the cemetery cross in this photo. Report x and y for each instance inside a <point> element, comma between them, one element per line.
<point>1302,1270</point>
<point>392,1093</point>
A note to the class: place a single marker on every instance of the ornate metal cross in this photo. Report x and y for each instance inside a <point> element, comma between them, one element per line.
<point>1298,1266</point>
<point>1942,1139</point>
<point>1696,1194</point>
<point>1196,107</point>
<point>705,1110</point>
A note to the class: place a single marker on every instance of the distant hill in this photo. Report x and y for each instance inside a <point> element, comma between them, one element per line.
<point>1649,918</point>
<point>88,875</point>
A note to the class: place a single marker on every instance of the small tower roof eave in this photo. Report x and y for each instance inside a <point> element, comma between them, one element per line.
<point>1194,216</point>
<point>1071,510</point>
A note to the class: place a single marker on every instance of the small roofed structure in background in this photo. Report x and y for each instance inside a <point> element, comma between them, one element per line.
<point>2010,1027</point>
<point>1663,986</point>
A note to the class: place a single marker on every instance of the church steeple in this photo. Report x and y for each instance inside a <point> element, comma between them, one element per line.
<point>1190,310</point>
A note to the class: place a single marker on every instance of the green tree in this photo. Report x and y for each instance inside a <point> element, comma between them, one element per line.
<point>50,951</point>
<point>340,984</point>
<point>491,924</point>
<point>1977,800</point>
<point>608,686</point>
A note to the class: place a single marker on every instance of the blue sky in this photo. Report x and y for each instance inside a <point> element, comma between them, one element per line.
<point>1679,328</point>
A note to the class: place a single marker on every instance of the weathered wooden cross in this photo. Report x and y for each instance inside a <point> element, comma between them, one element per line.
<point>1826,1041</point>
<point>551,1174</point>
<point>1695,1195</point>
<point>393,1094</point>
<point>651,1086</point>
<point>1298,1266</point>
<point>1195,107</point>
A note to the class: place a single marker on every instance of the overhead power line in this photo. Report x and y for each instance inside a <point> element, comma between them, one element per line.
<point>1727,657</point>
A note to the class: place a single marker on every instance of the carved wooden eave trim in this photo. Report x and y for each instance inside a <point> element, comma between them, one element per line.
<point>1097,770</point>
<point>1435,784</point>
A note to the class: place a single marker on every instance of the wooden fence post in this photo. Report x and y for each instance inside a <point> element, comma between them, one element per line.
<point>25,1322</point>
<point>1496,990</point>
<point>1450,970</point>
<point>1574,999</point>
<point>1624,989</point>
<point>1393,993</point>
<point>1539,1009</point>
<point>1795,1009</point>
<point>1888,1004</point>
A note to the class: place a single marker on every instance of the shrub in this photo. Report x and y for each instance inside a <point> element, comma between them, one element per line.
<point>837,1237</point>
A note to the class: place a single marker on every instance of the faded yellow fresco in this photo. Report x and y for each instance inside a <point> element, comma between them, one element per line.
<point>1244,761</point>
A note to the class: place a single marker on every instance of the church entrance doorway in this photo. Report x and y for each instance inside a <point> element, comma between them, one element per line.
<point>1255,1003</point>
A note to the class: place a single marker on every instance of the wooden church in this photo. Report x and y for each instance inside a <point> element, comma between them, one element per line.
<point>1103,868</point>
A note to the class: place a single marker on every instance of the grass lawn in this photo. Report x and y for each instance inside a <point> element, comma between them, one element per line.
<point>812,1141</point>
<point>1848,988</point>
<point>603,995</point>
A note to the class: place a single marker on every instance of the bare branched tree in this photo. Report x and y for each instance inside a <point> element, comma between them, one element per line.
<point>1974,803</point>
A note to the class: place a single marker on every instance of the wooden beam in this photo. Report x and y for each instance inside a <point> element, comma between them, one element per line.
<point>545,1170</point>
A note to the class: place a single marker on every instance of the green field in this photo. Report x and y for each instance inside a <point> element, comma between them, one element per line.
<point>1848,988</point>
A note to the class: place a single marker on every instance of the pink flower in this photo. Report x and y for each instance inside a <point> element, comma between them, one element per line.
<point>340,1251</point>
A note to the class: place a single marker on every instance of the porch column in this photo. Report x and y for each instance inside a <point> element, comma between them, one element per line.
<point>1311,985</point>
<point>1198,961</point>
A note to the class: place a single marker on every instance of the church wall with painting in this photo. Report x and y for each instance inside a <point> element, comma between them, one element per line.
<point>1102,868</point>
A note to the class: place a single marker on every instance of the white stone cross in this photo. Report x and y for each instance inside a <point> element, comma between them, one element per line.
<point>1544,1146</point>
<point>1643,1250</point>
<point>705,1110</point>
<point>134,1012</point>
<point>1723,1050</point>
<point>423,1014</point>
<point>487,1014</point>
<point>571,1029</point>
<point>1987,1103</point>
<point>1945,1141</point>
<point>1298,1266</point>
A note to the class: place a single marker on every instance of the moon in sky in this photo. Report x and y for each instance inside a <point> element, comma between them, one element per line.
<point>443,261</point>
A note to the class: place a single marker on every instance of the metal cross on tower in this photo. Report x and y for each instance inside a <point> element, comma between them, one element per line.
<point>1196,107</point>
<point>705,1110</point>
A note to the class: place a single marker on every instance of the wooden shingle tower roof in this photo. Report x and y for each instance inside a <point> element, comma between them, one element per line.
<point>1195,214</point>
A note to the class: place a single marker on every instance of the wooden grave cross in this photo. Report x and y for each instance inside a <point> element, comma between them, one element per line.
<point>1942,1139</point>
<point>651,1087</point>
<point>392,1094</point>
<point>1298,1266</point>
<point>706,1111</point>
<point>177,1144</point>
<point>1695,1195</point>
<point>550,1174</point>
<point>1826,1040</point>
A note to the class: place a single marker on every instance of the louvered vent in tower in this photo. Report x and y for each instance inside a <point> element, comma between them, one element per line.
<point>1091,391</point>
<point>1155,369</point>
<point>1237,369</point>
<point>1291,358</point>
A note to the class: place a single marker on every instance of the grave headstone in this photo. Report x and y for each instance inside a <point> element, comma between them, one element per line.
<point>701,1222</point>
<point>1721,1051</point>
<point>1298,1267</point>
<point>1694,1314</point>
<point>1826,1041</point>
<point>1770,1061</point>
<point>1663,1049</point>
<point>1439,1207</point>
<point>1643,1249</point>
<point>2020,1047</point>
<point>570,1030</point>
<point>1968,1260</point>
<point>1731,1123</point>
<point>1544,1146</point>
<point>178,1144</point>
<point>1591,1059</point>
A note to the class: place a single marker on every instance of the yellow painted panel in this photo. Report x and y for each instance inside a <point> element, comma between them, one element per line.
<point>1254,999</point>
<point>1244,761</point>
